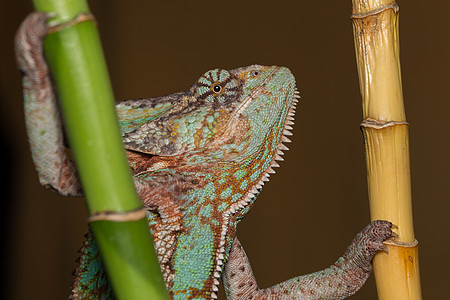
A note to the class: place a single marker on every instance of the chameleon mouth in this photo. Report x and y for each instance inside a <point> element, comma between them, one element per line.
<point>251,194</point>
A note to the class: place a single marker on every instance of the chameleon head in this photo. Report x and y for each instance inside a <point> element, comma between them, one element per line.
<point>229,114</point>
<point>253,109</point>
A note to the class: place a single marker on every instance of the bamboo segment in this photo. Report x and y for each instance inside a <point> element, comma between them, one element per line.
<point>78,68</point>
<point>379,64</point>
<point>387,157</point>
<point>385,130</point>
<point>399,272</point>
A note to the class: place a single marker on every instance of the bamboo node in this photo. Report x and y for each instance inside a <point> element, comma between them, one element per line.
<point>377,11</point>
<point>123,216</point>
<point>398,243</point>
<point>379,124</point>
<point>81,17</point>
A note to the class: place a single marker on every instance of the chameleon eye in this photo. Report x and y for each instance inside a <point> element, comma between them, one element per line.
<point>217,88</point>
<point>255,73</point>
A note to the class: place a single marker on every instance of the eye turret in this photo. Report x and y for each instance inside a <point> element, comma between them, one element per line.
<point>217,86</point>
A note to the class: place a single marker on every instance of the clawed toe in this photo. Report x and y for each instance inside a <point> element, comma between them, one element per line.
<point>373,236</point>
<point>381,230</point>
<point>395,235</point>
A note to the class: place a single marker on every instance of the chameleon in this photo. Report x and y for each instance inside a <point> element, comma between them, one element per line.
<point>199,159</point>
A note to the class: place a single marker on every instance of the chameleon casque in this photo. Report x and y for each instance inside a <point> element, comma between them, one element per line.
<point>199,159</point>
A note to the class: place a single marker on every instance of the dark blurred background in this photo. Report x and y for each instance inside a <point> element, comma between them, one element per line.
<point>317,201</point>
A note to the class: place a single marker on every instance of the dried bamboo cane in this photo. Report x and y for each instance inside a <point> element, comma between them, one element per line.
<point>385,130</point>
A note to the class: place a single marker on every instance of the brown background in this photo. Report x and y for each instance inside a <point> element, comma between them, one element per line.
<point>317,201</point>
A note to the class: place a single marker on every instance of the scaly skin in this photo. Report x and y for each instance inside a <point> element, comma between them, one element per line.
<point>199,159</point>
<point>339,281</point>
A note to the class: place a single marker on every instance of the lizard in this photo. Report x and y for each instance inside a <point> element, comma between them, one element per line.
<point>199,159</point>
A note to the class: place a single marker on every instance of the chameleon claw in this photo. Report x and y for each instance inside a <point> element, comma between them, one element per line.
<point>53,23</point>
<point>395,235</point>
<point>55,26</point>
<point>385,249</point>
<point>51,14</point>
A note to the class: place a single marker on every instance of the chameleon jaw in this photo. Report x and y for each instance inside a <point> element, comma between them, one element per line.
<point>278,153</point>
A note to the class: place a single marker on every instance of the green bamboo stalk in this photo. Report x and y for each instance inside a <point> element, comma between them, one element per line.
<point>79,71</point>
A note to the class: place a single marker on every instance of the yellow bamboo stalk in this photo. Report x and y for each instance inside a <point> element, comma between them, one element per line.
<point>375,29</point>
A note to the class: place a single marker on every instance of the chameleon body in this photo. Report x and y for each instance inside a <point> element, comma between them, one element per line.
<point>199,159</point>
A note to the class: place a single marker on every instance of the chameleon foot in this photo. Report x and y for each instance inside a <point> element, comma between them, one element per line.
<point>367,243</point>
<point>56,171</point>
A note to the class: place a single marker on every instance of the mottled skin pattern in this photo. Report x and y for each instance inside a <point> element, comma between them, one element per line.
<point>199,159</point>
<point>339,281</point>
